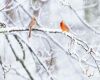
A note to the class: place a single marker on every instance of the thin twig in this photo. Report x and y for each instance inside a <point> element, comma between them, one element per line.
<point>34,53</point>
<point>91,51</point>
<point>82,21</point>
<point>22,47</point>
<point>21,62</point>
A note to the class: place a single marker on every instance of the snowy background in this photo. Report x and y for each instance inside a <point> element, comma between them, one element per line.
<point>50,54</point>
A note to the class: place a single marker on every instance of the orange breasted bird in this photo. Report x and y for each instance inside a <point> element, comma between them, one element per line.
<point>64,27</point>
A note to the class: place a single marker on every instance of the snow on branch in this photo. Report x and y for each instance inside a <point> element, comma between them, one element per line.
<point>46,30</point>
<point>77,15</point>
<point>88,50</point>
<point>71,51</point>
<point>19,29</point>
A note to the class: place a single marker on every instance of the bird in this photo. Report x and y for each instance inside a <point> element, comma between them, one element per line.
<point>31,25</point>
<point>64,27</point>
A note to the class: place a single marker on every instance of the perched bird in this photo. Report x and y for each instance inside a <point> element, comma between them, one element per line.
<point>31,25</point>
<point>64,27</point>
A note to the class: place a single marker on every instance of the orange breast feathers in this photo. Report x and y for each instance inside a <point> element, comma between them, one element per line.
<point>64,27</point>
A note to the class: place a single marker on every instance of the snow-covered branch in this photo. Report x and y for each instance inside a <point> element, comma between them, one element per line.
<point>19,29</point>
<point>82,21</point>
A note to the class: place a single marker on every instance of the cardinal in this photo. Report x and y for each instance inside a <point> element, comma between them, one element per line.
<point>64,27</point>
<point>31,25</point>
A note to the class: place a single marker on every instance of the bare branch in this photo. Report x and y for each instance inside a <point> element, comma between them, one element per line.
<point>21,62</point>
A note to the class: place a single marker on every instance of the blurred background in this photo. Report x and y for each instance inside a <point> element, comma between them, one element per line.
<point>83,18</point>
